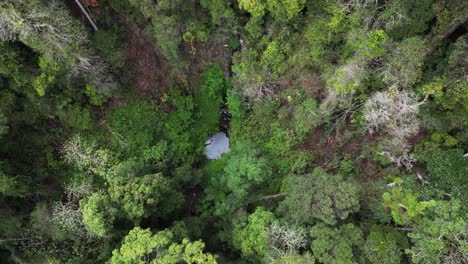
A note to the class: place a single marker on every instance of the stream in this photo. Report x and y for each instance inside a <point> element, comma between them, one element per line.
<point>218,144</point>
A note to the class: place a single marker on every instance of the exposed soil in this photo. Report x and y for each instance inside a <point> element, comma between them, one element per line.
<point>350,147</point>
<point>91,3</point>
<point>147,63</point>
<point>318,140</point>
<point>370,170</point>
<point>201,54</point>
<point>312,84</point>
<point>416,139</point>
<point>191,198</point>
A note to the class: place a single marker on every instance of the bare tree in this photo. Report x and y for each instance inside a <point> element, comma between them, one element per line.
<point>287,240</point>
<point>75,191</point>
<point>395,112</point>
<point>348,77</point>
<point>86,156</point>
<point>456,257</point>
<point>397,150</point>
<point>68,216</point>
<point>257,89</point>
<point>48,28</point>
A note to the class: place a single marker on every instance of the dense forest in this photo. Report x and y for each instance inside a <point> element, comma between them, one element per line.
<point>346,122</point>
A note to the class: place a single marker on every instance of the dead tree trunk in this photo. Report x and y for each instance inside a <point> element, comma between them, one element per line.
<point>85,12</point>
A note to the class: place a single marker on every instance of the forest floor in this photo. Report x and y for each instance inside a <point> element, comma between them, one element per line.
<point>337,146</point>
<point>153,74</point>
<point>148,66</point>
<point>318,140</point>
<point>201,54</point>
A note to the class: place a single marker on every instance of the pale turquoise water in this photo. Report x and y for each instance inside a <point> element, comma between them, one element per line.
<point>216,145</point>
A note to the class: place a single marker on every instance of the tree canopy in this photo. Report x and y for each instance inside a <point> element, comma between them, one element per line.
<point>344,126</point>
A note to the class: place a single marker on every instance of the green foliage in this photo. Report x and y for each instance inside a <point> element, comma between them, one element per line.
<point>404,19</point>
<point>95,98</point>
<point>292,8</point>
<point>178,127</point>
<point>255,8</point>
<point>375,41</point>
<point>3,124</point>
<point>385,245</point>
<point>135,125</point>
<point>219,9</point>
<point>208,101</point>
<point>404,205</point>
<point>405,63</point>
<point>166,32</point>
<point>273,59</point>
<point>305,117</point>
<point>439,235</point>
<point>171,20</point>
<point>157,154</point>
<point>348,78</point>
<point>235,43</point>
<point>7,185</point>
<point>98,214</point>
<point>121,7</point>
<point>448,14</point>
<point>450,96</point>
<point>277,8</point>
<point>361,48</point>
<point>77,173</point>
<point>213,82</point>
<point>49,71</point>
<point>325,27</point>
<point>140,246</point>
<point>447,172</point>
<point>235,176</point>
<point>198,32</point>
<point>447,109</point>
<point>107,44</point>
<point>235,104</point>
<point>77,118</point>
<point>319,196</point>
<point>136,192</point>
<point>336,244</point>
<point>263,127</point>
<point>245,168</point>
<point>10,63</point>
<point>251,236</point>
<point>85,156</point>
<point>254,27</point>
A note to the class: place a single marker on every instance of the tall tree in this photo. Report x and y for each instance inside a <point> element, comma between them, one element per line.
<point>139,194</point>
<point>385,245</point>
<point>319,196</point>
<point>251,236</point>
<point>336,245</point>
<point>47,28</point>
<point>141,246</point>
<point>245,168</point>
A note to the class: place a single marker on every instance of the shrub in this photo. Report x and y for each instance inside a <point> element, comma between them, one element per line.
<point>135,126</point>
